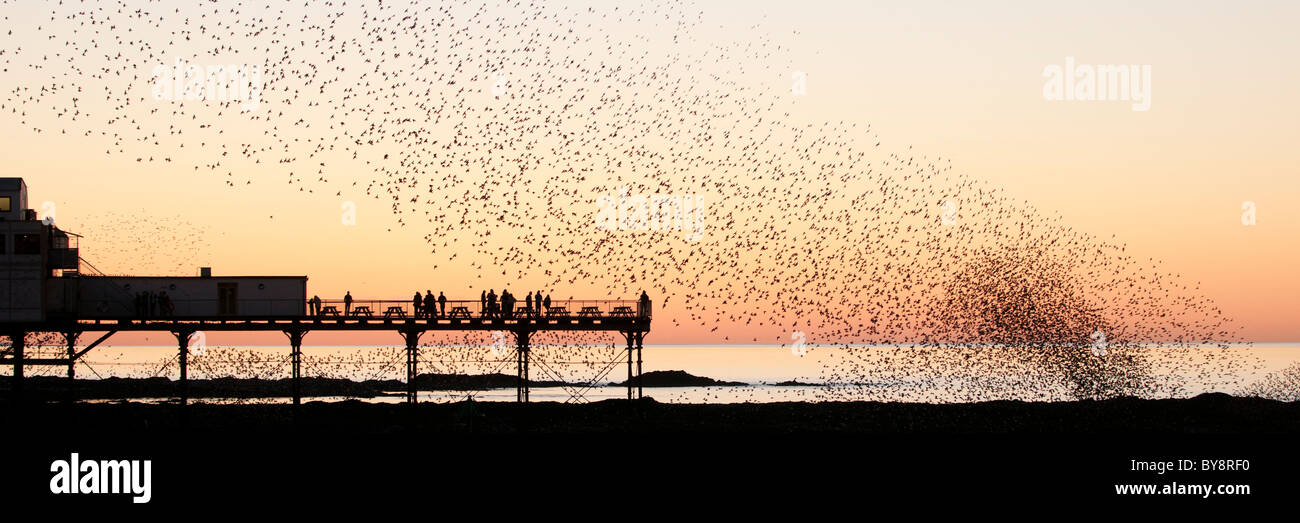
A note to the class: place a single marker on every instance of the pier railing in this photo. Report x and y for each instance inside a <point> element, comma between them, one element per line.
<point>480,309</point>
<point>360,308</point>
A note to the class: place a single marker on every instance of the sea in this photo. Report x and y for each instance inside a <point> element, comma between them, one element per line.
<point>755,373</point>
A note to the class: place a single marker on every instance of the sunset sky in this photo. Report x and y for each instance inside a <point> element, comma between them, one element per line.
<point>958,80</point>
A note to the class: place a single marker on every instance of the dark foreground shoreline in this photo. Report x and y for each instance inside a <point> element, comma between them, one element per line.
<point>58,388</point>
<point>1204,414</point>
<point>634,453</point>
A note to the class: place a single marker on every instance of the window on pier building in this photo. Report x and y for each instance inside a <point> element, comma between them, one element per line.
<point>4,204</point>
<point>27,244</point>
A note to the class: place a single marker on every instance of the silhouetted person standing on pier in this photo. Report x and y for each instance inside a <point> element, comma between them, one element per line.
<point>442,303</point>
<point>315,305</point>
<point>507,304</point>
<point>430,309</point>
<point>416,308</point>
<point>644,305</point>
<point>347,303</point>
<point>547,303</point>
<point>482,304</point>
<point>528,303</point>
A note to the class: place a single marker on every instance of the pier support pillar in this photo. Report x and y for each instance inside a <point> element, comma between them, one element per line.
<point>521,360</point>
<point>640,338</point>
<point>631,349</point>
<point>71,338</point>
<point>183,345</point>
<point>295,361</point>
<point>412,338</point>
<point>18,342</point>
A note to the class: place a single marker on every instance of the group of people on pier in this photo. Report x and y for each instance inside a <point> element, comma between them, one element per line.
<point>150,304</point>
<point>503,306</point>
<point>428,306</point>
<point>491,305</point>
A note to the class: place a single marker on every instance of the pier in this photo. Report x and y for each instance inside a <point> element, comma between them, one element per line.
<point>51,288</point>
<point>629,318</point>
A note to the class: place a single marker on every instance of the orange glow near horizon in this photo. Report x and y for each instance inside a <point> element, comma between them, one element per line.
<point>935,80</point>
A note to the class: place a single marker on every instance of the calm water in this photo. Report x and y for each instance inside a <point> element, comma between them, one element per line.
<point>887,373</point>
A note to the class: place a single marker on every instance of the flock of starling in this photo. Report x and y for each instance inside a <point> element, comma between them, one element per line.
<point>496,127</point>
<point>143,243</point>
